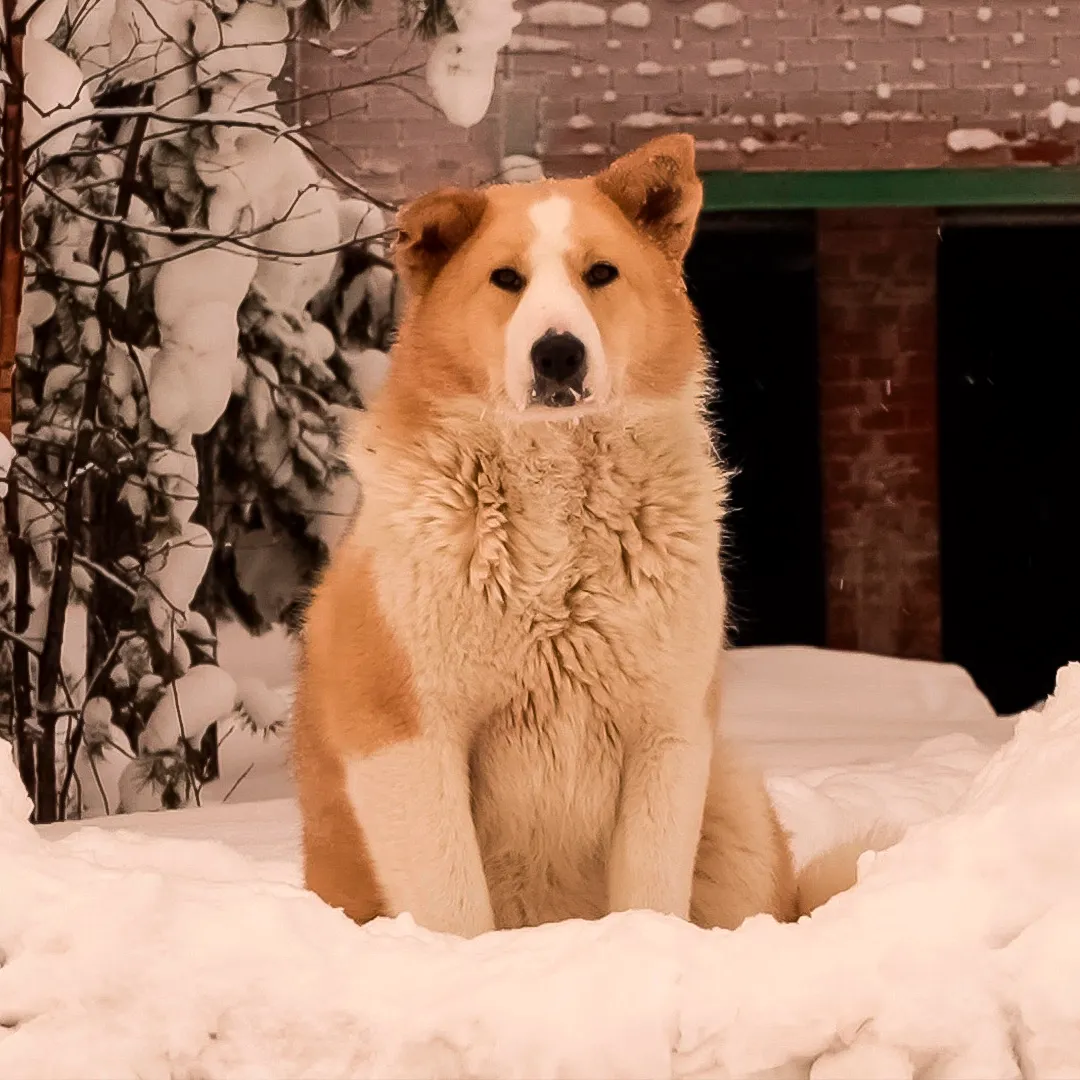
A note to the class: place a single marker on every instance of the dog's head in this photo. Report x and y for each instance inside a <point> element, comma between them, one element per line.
<point>551,299</point>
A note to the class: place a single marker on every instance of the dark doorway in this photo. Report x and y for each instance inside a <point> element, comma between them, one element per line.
<point>1010,455</point>
<point>753,281</point>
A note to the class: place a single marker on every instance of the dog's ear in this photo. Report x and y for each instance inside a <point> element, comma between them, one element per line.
<point>657,188</point>
<point>431,229</point>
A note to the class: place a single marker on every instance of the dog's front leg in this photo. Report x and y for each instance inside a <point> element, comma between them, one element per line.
<point>412,802</point>
<point>658,828</point>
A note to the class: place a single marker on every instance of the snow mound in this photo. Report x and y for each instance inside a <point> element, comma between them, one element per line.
<point>958,954</point>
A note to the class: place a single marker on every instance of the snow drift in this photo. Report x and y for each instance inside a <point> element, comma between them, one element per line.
<point>957,955</point>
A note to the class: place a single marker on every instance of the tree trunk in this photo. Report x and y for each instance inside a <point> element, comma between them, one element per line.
<point>11,191</point>
<point>22,691</point>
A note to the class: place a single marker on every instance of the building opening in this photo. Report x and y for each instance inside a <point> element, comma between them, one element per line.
<point>1009,367</point>
<point>753,280</point>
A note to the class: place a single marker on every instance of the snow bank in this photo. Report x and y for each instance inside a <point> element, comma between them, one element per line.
<point>958,955</point>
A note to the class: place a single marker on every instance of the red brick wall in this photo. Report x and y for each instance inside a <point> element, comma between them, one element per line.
<point>808,92</point>
<point>878,339</point>
<point>367,111</point>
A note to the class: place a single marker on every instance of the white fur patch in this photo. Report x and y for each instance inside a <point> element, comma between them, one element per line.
<point>412,803</point>
<point>551,302</point>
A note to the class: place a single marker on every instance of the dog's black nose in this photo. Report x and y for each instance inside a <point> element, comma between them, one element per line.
<point>559,359</point>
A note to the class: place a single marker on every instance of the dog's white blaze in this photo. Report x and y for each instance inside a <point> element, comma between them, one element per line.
<point>551,302</point>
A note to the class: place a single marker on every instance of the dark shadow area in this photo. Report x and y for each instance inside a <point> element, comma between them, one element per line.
<point>753,281</point>
<point>1009,309</point>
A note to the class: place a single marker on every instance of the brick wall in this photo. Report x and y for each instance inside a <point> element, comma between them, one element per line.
<point>878,339</point>
<point>810,84</point>
<point>763,84</point>
<point>367,111</point>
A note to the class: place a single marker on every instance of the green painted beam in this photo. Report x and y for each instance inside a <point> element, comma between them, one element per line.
<point>822,190</point>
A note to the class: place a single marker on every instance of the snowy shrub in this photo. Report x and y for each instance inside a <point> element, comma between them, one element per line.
<point>203,303</point>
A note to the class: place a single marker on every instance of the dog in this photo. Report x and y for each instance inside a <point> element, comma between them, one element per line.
<point>511,670</point>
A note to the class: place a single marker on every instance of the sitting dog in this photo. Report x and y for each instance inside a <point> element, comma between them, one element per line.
<point>507,711</point>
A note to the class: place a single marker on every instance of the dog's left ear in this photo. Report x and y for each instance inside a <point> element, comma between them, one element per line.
<point>657,188</point>
<point>431,230</point>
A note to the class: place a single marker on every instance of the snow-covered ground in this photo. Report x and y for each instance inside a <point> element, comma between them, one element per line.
<point>180,945</point>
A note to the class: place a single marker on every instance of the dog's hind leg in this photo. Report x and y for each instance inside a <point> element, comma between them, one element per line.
<point>744,864</point>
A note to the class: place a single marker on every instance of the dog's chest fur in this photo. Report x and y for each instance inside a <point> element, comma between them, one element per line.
<point>556,585</point>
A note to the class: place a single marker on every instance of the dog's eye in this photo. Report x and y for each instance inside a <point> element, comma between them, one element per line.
<point>507,279</point>
<point>600,274</point>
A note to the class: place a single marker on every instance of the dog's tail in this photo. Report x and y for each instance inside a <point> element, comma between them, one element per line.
<point>835,870</point>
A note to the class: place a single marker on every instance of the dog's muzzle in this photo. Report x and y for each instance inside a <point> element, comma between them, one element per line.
<point>559,367</point>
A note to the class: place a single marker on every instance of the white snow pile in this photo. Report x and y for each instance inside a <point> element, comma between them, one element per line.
<point>1060,113</point>
<point>906,14</point>
<point>961,140</point>
<point>717,15</point>
<point>461,65</point>
<point>56,94</point>
<point>635,15</point>
<point>957,955</point>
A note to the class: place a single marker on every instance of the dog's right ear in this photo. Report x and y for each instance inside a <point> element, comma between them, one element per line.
<point>431,229</point>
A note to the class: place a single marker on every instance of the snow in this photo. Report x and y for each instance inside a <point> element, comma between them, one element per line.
<point>176,564</point>
<point>579,122</point>
<point>520,169</point>
<point>647,119</point>
<point>45,19</point>
<point>190,705</point>
<point>905,14</point>
<point>573,13</point>
<point>721,68</point>
<point>56,94</point>
<point>981,139</point>
<point>1072,87</point>
<point>461,66</point>
<point>957,955</point>
<point>634,15</point>
<point>717,16</point>
<point>649,68</point>
<point>1061,113</point>
<point>7,455</point>
<point>533,43</point>
<point>196,295</point>
<point>367,370</point>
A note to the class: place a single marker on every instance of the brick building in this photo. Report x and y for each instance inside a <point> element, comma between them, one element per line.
<point>875,168</point>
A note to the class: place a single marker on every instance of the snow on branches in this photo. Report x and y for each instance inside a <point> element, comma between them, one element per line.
<point>204,306</point>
